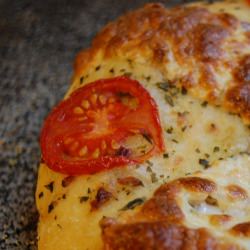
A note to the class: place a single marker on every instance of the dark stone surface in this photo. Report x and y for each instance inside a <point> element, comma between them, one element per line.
<point>38,42</point>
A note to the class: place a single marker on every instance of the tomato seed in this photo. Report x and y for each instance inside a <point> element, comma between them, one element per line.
<point>93,98</point>
<point>84,118</point>
<point>78,110</point>
<point>68,141</point>
<point>74,146</point>
<point>83,151</point>
<point>104,145</point>
<point>102,99</point>
<point>85,104</point>
<point>111,100</point>
<point>96,153</point>
<point>114,144</point>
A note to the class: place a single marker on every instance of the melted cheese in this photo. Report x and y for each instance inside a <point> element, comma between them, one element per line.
<point>193,131</point>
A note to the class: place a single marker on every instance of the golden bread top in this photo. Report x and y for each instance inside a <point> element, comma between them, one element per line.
<point>206,52</point>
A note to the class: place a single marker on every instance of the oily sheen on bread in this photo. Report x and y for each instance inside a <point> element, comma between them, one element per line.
<point>195,62</point>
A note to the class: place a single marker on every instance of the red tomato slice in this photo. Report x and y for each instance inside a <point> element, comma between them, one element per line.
<point>105,124</point>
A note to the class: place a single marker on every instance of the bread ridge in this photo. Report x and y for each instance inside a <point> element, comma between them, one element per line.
<point>200,47</point>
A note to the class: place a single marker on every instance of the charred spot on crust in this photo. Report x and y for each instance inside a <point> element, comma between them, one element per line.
<point>122,151</point>
<point>67,181</point>
<point>102,196</point>
<point>211,201</point>
<point>198,184</point>
<point>158,235</point>
<point>237,192</point>
<point>51,206</point>
<point>242,229</point>
<point>130,181</point>
<point>163,204</point>
<point>238,97</point>
<point>242,73</point>
<point>50,186</point>
<point>220,219</point>
<point>40,195</point>
<point>210,36</point>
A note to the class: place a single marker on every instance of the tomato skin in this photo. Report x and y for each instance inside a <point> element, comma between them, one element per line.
<point>61,123</point>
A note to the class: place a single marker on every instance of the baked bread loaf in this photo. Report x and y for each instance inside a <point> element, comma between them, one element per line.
<point>194,60</point>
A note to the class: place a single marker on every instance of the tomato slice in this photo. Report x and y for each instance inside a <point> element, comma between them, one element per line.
<point>107,123</point>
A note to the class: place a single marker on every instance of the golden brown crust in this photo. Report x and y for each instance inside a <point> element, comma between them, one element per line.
<point>236,192</point>
<point>220,219</point>
<point>160,223</point>
<point>239,95</point>
<point>202,44</point>
<point>160,235</point>
<point>197,184</point>
<point>163,205</point>
<point>242,229</point>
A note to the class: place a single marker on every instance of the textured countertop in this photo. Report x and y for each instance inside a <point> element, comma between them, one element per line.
<point>38,42</point>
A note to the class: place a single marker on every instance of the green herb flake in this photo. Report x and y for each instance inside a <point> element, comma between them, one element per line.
<point>165,155</point>
<point>149,163</point>
<point>153,177</point>
<point>204,104</point>
<point>183,128</point>
<point>129,61</point>
<point>207,155</point>
<point>163,86</point>
<point>81,79</point>
<point>50,186</point>
<point>97,67</point>
<point>51,207</point>
<point>134,203</point>
<point>169,100</point>
<point>83,199</point>
<point>149,169</point>
<point>183,91</point>
<point>197,150</point>
<point>127,74</point>
<point>169,130</point>
<point>147,137</point>
<point>204,163</point>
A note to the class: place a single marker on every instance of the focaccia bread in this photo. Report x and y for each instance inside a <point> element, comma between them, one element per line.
<point>194,61</point>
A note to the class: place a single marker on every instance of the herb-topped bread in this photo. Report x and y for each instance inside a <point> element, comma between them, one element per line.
<point>150,148</point>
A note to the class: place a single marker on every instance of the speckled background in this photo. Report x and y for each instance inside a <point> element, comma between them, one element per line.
<point>38,42</point>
